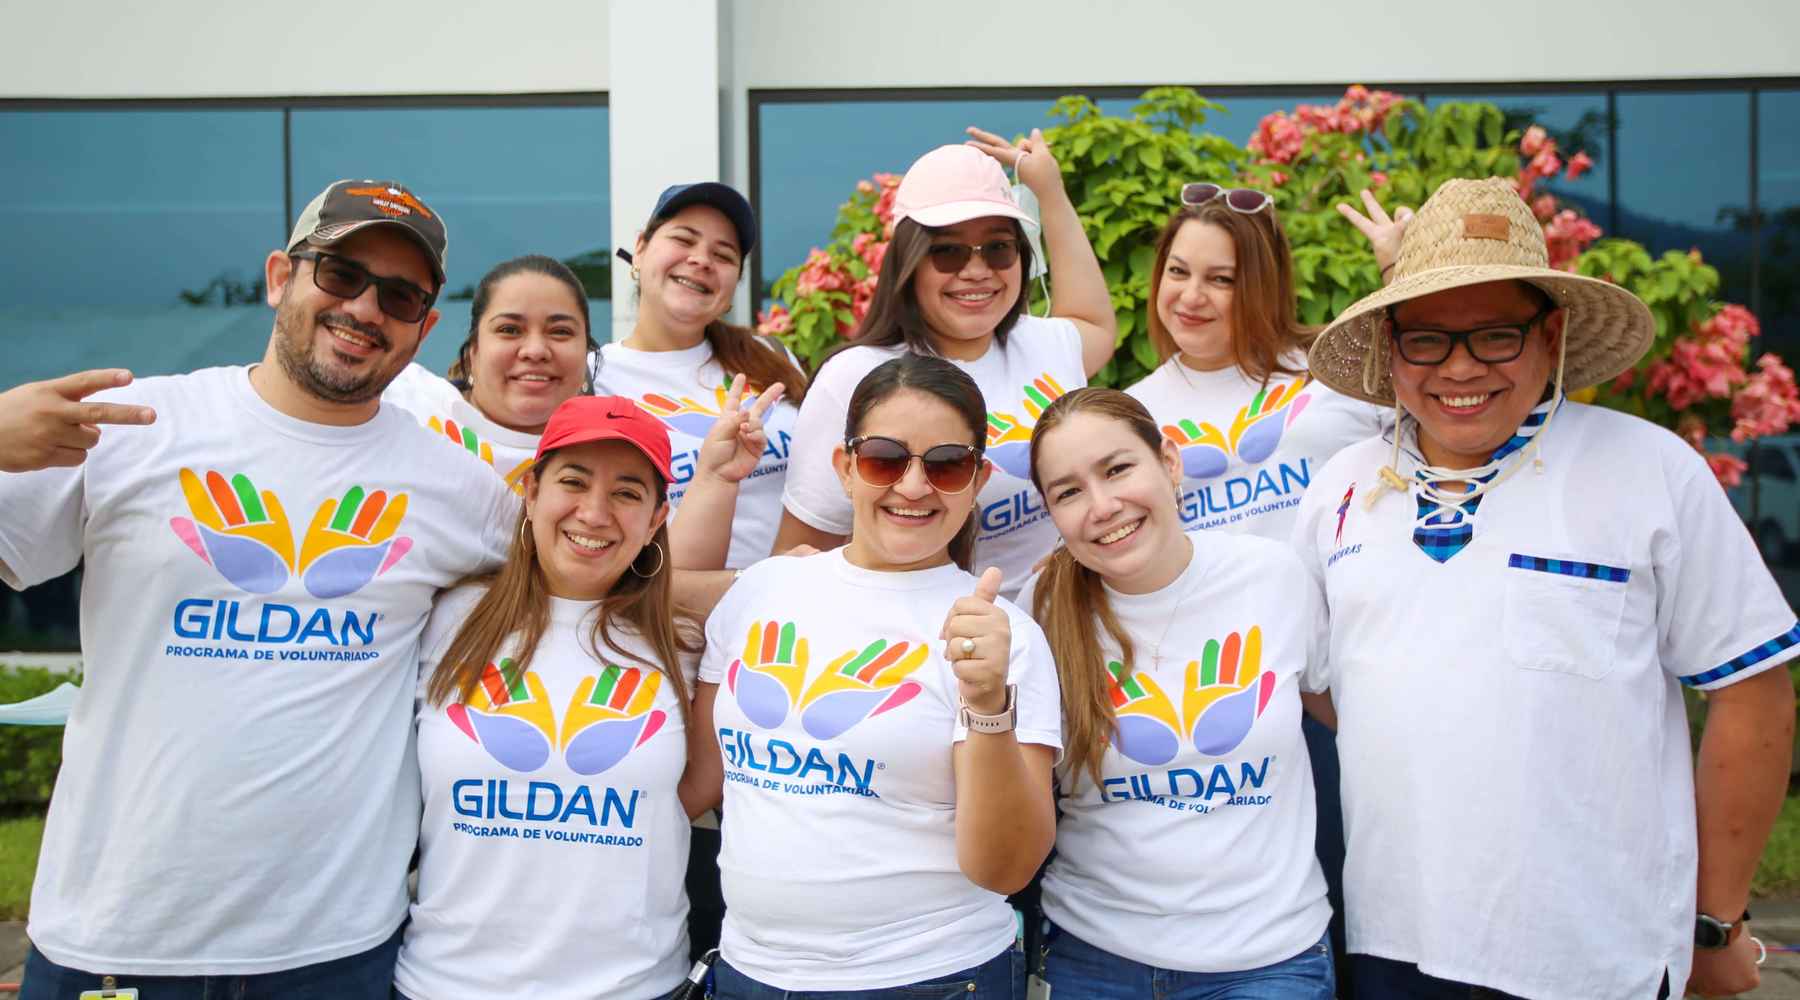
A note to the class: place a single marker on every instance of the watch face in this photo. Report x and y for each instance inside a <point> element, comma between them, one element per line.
<point>1709,933</point>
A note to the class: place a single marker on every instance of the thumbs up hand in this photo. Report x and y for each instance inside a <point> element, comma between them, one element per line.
<point>979,645</point>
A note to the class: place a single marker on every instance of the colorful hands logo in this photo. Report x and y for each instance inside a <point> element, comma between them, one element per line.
<point>858,685</point>
<point>1009,438</point>
<point>1206,451</point>
<point>244,533</point>
<point>1226,691</point>
<point>509,715</point>
<point>685,415</point>
<point>466,439</point>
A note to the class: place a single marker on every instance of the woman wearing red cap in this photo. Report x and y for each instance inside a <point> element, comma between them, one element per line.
<point>553,735</point>
<point>953,285</point>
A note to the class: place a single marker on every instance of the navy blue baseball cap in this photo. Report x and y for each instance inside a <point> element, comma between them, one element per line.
<point>723,197</point>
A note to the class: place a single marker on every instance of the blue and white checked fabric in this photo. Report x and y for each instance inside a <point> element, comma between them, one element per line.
<point>1442,530</point>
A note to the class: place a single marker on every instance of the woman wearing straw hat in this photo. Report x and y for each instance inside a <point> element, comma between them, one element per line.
<point>953,284</point>
<point>1517,586</point>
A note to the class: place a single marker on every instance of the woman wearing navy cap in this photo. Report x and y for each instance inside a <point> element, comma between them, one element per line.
<point>681,355</point>
<point>552,737</point>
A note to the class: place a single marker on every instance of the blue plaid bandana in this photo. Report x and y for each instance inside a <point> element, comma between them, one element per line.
<point>1441,530</point>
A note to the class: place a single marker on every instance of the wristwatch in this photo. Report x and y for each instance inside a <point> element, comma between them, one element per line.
<point>1001,723</point>
<point>1711,933</point>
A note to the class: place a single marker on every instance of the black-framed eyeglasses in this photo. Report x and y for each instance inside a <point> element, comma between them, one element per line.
<point>344,278</point>
<point>1244,201</point>
<point>883,461</point>
<point>1496,343</point>
<point>950,258</point>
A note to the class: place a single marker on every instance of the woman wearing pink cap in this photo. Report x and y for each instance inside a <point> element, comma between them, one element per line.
<point>953,284</point>
<point>553,736</point>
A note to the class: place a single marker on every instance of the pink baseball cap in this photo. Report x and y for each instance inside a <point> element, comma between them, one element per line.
<point>953,184</point>
<point>581,419</point>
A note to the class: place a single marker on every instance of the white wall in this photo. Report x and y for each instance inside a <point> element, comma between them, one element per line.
<point>947,43</point>
<point>287,48</point>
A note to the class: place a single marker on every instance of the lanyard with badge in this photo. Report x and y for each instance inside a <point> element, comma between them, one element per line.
<point>110,990</point>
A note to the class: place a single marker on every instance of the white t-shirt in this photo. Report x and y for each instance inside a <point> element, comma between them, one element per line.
<point>239,792</point>
<point>836,724</point>
<point>554,848</point>
<point>685,390</point>
<point>437,404</point>
<point>1196,850</point>
<point>1518,787</point>
<point>1249,451</point>
<point>1041,360</point>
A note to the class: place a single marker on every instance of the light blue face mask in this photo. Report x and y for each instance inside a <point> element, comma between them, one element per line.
<point>1028,203</point>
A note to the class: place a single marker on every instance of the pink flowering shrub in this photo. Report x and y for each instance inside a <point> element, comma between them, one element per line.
<point>821,301</point>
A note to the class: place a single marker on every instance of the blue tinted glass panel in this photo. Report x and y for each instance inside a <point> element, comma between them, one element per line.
<point>812,155</point>
<point>507,181</point>
<point>1684,178</point>
<point>1778,197</point>
<point>112,215</point>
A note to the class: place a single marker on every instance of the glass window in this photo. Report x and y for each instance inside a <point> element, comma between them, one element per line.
<point>1684,178</point>
<point>1778,200</point>
<point>112,216</point>
<point>508,181</point>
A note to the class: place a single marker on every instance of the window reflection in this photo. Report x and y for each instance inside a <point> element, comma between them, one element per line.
<point>1684,178</point>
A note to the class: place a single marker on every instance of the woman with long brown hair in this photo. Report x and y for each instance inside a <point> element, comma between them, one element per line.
<point>954,285</point>
<point>553,736</point>
<point>1184,863</point>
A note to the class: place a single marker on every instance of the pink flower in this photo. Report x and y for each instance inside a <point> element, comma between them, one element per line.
<point>1625,381</point>
<point>1278,138</point>
<point>861,296</point>
<point>1546,163</point>
<point>865,187</point>
<point>1532,142</point>
<point>1377,178</point>
<point>1568,235</point>
<point>775,321</point>
<point>1727,469</point>
<point>1579,164</point>
<point>820,274</point>
<point>884,205</point>
<point>1544,207</point>
<point>1768,404</point>
<point>871,250</point>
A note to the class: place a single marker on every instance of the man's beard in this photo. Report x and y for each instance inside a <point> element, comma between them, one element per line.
<point>334,384</point>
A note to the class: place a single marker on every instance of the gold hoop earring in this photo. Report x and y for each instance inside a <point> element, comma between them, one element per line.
<point>659,561</point>
<point>635,276</point>
<point>524,531</point>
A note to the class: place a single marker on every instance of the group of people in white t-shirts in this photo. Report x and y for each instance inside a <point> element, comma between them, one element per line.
<point>562,626</point>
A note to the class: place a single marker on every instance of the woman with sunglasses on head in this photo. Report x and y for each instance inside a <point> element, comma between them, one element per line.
<point>553,730</point>
<point>886,726</point>
<point>681,355</point>
<point>1184,860</point>
<point>1233,395</point>
<point>953,285</point>
<point>526,352</point>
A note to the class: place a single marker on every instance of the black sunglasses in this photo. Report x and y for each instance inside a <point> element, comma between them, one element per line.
<point>1494,344</point>
<point>883,461</point>
<point>950,258</point>
<point>344,278</point>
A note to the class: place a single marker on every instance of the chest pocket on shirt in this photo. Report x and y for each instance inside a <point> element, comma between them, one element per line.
<point>1563,615</point>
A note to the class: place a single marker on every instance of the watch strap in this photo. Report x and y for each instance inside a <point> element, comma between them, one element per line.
<point>1004,722</point>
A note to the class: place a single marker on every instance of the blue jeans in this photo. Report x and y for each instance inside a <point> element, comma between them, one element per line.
<point>998,978</point>
<point>365,976</point>
<point>1077,970</point>
<point>1328,836</point>
<point>1394,980</point>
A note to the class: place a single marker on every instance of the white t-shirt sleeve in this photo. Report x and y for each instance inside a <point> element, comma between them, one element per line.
<point>1707,641</point>
<point>1033,671</point>
<point>812,492</point>
<point>1067,337</point>
<point>1317,676</point>
<point>43,518</point>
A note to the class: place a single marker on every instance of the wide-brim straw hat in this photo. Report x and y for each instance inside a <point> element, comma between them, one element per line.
<point>1470,232</point>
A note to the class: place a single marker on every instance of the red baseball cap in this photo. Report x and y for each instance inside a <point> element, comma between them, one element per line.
<point>581,419</point>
